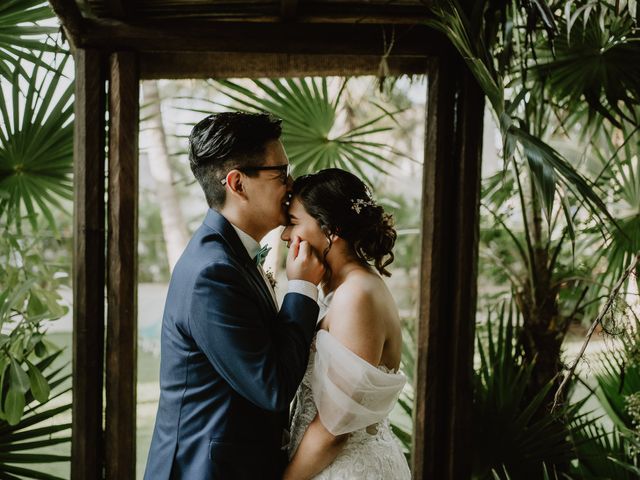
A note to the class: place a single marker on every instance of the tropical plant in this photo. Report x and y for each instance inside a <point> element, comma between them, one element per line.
<point>615,163</point>
<point>548,71</point>
<point>36,146</point>
<point>405,401</point>
<point>513,435</point>
<point>312,132</point>
<point>512,431</point>
<point>21,36</point>
<point>615,453</point>
<point>35,430</point>
<point>503,474</point>
<point>29,297</point>
<point>604,454</point>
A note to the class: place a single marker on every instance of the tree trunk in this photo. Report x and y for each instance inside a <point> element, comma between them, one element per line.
<point>174,227</point>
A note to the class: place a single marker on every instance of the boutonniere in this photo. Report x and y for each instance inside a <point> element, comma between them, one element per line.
<point>271,277</point>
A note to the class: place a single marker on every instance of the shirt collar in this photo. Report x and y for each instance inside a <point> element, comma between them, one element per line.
<point>248,242</point>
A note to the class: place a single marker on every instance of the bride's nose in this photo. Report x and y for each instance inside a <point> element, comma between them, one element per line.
<point>286,234</point>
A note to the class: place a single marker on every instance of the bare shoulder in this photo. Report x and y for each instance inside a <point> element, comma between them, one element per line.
<point>353,317</point>
<point>357,299</point>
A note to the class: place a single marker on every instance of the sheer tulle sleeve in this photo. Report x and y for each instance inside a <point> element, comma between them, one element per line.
<point>349,392</point>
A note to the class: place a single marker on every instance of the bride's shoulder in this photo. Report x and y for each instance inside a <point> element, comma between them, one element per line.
<point>354,301</point>
<point>357,289</point>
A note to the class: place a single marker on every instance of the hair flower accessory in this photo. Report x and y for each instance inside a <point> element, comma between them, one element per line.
<point>358,204</point>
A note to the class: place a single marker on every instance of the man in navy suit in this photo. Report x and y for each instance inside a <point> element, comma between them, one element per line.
<point>230,361</point>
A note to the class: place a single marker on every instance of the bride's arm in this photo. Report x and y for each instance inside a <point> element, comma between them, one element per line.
<point>316,451</point>
<point>357,328</point>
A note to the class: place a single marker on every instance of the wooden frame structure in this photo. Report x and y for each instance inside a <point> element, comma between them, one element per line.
<point>117,43</point>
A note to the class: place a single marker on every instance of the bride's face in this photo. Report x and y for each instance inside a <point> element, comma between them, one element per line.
<point>303,225</point>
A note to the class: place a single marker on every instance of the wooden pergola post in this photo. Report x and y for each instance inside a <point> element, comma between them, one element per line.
<point>451,189</point>
<point>122,259</point>
<point>87,448</point>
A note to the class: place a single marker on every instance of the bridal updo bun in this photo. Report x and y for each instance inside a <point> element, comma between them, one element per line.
<point>342,205</point>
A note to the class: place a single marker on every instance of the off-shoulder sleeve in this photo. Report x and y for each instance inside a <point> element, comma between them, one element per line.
<point>349,392</point>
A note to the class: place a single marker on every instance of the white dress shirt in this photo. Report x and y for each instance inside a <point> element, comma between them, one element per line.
<point>294,286</point>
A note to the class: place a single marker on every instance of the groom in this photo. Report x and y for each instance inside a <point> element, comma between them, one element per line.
<point>230,361</point>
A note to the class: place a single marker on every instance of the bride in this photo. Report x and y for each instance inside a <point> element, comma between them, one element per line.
<point>339,425</point>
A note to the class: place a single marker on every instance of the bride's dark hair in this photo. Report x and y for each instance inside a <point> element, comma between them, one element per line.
<point>342,205</point>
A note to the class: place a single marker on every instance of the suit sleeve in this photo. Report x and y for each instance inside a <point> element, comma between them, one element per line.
<point>264,361</point>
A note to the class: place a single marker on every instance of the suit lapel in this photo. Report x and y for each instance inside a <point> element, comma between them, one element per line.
<point>217,222</point>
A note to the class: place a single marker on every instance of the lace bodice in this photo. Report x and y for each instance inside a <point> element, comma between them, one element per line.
<point>371,452</point>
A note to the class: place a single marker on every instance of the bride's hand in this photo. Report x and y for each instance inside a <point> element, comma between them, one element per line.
<point>303,263</point>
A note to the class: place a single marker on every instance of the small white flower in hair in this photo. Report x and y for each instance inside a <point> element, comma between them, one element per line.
<point>358,204</point>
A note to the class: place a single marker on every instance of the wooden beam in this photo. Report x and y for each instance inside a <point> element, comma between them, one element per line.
<point>122,9</point>
<point>71,19</point>
<point>288,9</point>
<point>158,65</point>
<point>122,267</point>
<point>87,454</point>
<point>451,186</point>
<point>294,38</point>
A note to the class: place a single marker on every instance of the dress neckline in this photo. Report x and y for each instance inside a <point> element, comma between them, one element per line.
<point>381,368</point>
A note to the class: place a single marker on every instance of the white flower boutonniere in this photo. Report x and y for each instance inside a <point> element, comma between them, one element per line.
<point>271,277</point>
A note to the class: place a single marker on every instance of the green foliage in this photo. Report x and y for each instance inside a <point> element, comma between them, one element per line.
<point>36,146</point>
<point>406,218</point>
<point>547,166</point>
<point>613,454</point>
<point>512,430</point>
<point>604,454</point>
<point>29,296</point>
<point>21,36</point>
<point>36,429</point>
<point>311,132</point>
<point>595,59</point>
<point>407,365</point>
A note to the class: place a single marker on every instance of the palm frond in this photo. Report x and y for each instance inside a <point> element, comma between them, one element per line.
<point>21,37</point>
<point>36,147</point>
<point>310,120</point>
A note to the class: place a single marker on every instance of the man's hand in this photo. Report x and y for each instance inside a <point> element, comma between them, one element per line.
<point>303,263</point>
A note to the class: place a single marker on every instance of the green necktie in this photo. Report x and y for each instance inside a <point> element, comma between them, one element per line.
<point>261,255</point>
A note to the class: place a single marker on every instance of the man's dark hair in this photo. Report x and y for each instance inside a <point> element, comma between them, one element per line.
<point>224,141</point>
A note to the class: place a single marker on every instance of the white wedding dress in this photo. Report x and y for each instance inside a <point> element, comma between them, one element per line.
<point>351,396</point>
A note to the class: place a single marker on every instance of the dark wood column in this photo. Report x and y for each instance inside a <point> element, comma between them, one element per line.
<point>88,265</point>
<point>122,267</point>
<point>451,186</point>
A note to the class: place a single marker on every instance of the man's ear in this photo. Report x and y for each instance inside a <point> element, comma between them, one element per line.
<point>234,183</point>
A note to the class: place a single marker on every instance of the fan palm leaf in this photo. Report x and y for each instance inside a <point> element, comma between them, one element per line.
<point>510,430</point>
<point>603,454</point>
<point>547,165</point>
<point>618,168</point>
<point>310,118</point>
<point>21,36</point>
<point>617,379</point>
<point>36,146</point>
<point>597,60</point>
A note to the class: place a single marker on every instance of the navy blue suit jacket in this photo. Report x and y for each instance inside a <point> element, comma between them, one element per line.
<point>230,364</point>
